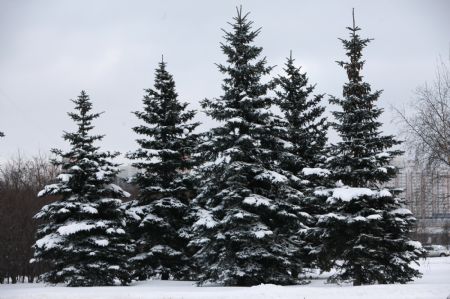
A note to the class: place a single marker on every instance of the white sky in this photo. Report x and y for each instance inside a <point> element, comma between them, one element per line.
<point>51,50</point>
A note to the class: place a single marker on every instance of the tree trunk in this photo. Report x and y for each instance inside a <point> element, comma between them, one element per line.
<point>358,275</point>
<point>165,276</point>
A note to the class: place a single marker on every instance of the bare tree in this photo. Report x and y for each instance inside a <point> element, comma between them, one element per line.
<point>428,127</point>
<point>20,180</point>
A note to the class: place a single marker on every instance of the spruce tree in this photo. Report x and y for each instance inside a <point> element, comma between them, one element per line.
<point>306,126</point>
<point>247,211</point>
<point>83,237</point>
<point>367,225</point>
<point>163,161</point>
<point>306,133</point>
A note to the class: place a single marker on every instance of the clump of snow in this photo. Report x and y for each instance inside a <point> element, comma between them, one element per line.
<point>415,244</point>
<point>222,159</point>
<point>347,193</point>
<point>64,177</point>
<point>205,218</point>
<point>262,233</point>
<point>401,211</point>
<point>48,189</point>
<point>100,175</point>
<point>384,193</point>
<point>117,189</point>
<point>49,241</point>
<point>359,218</point>
<point>257,200</point>
<point>273,176</point>
<point>74,227</point>
<point>316,171</point>
<point>101,242</point>
<point>383,155</point>
<point>382,169</point>
<point>63,211</point>
<point>374,217</point>
<point>89,209</point>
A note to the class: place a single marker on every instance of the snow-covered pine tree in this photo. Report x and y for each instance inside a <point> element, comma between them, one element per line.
<point>83,236</point>
<point>248,214</point>
<point>164,159</point>
<point>306,125</point>
<point>306,132</point>
<point>367,226</point>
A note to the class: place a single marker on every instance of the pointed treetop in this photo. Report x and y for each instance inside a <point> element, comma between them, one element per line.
<point>353,15</point>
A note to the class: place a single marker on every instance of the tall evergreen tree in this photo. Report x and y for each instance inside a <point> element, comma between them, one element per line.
<point>247,211</point>
<point>165,156</point>
<point>367,226</point>
<point>306,125</point>
<point>306,133</point>
<point>83,237</point>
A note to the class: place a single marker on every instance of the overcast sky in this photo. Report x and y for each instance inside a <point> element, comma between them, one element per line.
<point>51,50</point>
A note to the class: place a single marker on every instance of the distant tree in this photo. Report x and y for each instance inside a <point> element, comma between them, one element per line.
<point>427,128</point>
<point>84,237</point>
<point>164,159</point>
<point>247,209</point>
<point>366,226</point>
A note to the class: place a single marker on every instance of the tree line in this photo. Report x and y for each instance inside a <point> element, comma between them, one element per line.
<point>260,198</point>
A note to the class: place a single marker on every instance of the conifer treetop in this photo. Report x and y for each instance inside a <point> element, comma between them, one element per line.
<point>243,90</point>
<point>363,155</point>
<point>166,138</point>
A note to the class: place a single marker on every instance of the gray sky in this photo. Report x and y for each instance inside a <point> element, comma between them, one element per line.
<point>51,50</point>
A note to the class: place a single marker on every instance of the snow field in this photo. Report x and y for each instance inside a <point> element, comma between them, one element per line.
<point>434,284</point>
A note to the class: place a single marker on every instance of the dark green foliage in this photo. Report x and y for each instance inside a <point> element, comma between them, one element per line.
<point>247,209</point>
<point>163,160</point>
<point>306,126</point>
<point>365,225</point>
<point>306,133</point>
<point>83,237</point>
<point>363,155</point>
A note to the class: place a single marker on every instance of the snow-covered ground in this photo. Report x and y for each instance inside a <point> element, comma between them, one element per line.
<point>435,283</point>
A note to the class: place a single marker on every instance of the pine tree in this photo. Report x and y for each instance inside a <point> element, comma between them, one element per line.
<point>367,226</point>
<point>306,133</point>
<point>83,237</point>
<point>164,160</point>
<point>306,127</point>
<point>247,211</point>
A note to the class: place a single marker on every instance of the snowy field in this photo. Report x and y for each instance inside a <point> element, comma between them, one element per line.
<point>435,283</point>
